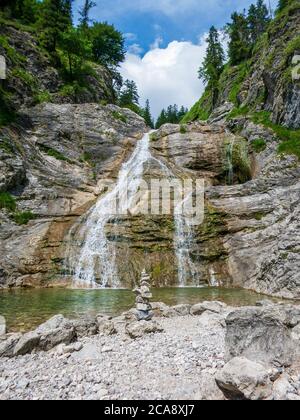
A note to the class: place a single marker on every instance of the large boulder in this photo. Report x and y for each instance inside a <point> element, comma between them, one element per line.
<point>243,379</point>
<point>58,330</point>
<point>8,343</point>
<point>200,308</point>
<point>27,343</point>
<point>263,334</point>
<point>178,310</point>
<point>105,325</point>
<point>85,327</point>
<point>140,328</point>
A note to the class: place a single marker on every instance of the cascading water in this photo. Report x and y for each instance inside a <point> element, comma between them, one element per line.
<point>183,240</point>
<point>96,265</point>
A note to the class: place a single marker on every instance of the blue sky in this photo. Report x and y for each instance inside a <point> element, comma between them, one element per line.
<point>167,35</point>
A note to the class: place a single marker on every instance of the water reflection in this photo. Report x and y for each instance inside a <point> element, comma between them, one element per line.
<point>25,309</point>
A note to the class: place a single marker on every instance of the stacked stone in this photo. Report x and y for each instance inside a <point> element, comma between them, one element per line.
<point>143,306</point>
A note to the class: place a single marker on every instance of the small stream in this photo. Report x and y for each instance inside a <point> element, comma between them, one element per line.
<point>26,309</point>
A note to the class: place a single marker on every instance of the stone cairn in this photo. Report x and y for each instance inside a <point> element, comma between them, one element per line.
<point>143,296</point>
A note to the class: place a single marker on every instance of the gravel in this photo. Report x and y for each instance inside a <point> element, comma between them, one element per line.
<point>179,363</point>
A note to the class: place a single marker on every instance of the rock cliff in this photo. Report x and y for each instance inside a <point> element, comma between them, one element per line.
<point>54,157</point>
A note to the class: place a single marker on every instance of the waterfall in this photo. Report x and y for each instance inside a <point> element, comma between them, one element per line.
<point>97,259</point>
<point>183,240</point>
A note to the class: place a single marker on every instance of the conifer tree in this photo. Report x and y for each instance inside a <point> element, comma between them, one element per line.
<point>282,5</point>
<point>239,38</point>
<point>258,20</point>
<point>161,120</point>
<point>213,63</point>
<point>84,13</point>
<point>129,94</point>
<point>56,18</point>
<point>147,115</point>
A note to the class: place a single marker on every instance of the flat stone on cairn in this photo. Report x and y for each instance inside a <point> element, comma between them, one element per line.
<point>143,306</point>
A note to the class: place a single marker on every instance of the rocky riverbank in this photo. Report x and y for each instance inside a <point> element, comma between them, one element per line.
<point>203,352</point>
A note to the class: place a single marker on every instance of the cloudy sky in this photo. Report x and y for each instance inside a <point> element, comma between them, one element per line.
<point>165,40</point>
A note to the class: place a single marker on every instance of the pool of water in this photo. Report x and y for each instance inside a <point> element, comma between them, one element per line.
<point>26,309</point>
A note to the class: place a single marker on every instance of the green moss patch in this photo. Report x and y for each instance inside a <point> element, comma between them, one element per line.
<point>259,145</point>
<point>290,139</point>
<point>22,218</point>
<point>54,153</point>
<point>7,201</point>
<point>118,116</point>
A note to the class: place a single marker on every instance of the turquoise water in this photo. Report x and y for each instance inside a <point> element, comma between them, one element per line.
<point>26,309</point>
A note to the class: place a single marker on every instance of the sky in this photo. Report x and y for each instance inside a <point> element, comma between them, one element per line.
<point>165,42</point>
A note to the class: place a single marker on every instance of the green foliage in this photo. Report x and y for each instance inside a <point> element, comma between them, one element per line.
<point>258,145</point>
<point>107,44</point>
<point>25,76</point>
<point>76,50</point>
<point>129,94</point>
<point>213,62</point>
<point>147,115</point>
<point>290,139</point>
<point>22,218</point>
<point>53,153</point>
<point>292,47</point>
<point>42,96</point>
<point>282,4</point>
<point>242,73</point>
<point>12,54</point>
<point>239,38</point>
<point>183,129</point>
<point>84,13</point>
<point>290,147</point>
<point>171,115</point>
<point>238,112</point>
<point>7,201</point>
<point>258,20</point>
<point>118,116</point>
<point>201,110</point>
<point>6,146</point>
<point>55,19</point>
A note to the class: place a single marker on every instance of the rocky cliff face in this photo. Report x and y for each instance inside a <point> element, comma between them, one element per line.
<point>265,82</point>
<point>54,158</point>
<point>52,166</point>
<point>32,79</point>
<point>250,235</point>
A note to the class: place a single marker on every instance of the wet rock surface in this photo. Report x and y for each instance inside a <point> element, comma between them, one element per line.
<point>55,168</point>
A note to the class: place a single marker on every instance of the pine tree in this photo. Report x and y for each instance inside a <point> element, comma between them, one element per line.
<point>56,18</point>
<point>129,94</point>
<point>161,120</point>
<point>84,13</point>
<point>213,63</point>
<point>147,115</point>
<point>282,5</point>
<point>182,113</point>
<point>258,20</point>
<point>239,38</point>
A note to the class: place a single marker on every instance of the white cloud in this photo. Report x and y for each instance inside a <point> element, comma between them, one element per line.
<point>135,49</point>
<point>129,36</point>
<point>157,43</point>
<point>167,75</point>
